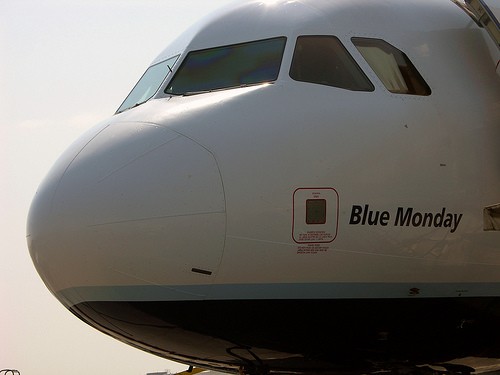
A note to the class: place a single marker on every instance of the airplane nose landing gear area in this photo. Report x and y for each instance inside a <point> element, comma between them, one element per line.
<point>348,337</point>
<point>134,194</point>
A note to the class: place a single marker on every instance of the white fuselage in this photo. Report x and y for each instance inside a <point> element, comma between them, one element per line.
<point>202,197</point>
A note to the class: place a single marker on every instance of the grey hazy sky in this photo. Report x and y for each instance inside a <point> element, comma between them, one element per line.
<point>65,65</point>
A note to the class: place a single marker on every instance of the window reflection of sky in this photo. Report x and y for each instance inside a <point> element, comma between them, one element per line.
<point>149,83</point>
<point>229,66</point>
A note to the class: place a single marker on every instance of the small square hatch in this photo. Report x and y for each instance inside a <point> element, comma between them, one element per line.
<point>315,215</point>
<point>315,211</point>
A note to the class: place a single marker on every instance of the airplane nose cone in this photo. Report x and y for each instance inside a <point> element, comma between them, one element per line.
<point>133,204</point>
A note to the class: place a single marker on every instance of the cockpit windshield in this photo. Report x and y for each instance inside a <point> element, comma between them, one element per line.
<point>149,83</point>
<point>228,66</point>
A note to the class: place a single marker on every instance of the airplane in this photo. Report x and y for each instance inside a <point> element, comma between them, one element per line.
<point>293,186</point>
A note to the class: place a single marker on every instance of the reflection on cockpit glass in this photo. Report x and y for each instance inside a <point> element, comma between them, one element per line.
<point>149,83</point>
<point>229,66</point>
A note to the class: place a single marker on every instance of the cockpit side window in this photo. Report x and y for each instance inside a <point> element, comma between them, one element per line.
<point>324,60</point>
<point>392,67</point>
<point>228,66</point>
<point>149,84</point>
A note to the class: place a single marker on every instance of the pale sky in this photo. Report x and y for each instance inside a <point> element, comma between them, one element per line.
<point>64,66</point>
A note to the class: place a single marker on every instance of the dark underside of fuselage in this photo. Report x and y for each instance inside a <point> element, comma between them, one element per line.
<point>306,336</point>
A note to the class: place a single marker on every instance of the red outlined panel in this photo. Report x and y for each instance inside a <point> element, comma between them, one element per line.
<point>315,215</point>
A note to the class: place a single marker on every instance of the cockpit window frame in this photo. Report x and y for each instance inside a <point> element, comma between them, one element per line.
<point>392,66</point>
<point>324,60</point>
<point>158,84</point>
<point>224,84</point>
